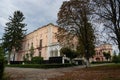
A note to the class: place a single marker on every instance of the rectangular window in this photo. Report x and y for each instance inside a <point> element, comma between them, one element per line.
<point>39,53</point>
<point>40,45</point>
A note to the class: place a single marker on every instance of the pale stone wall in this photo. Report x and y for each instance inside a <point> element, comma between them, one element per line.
<point>50,45</point>
<point>49,42</point>
<point>99,52</point>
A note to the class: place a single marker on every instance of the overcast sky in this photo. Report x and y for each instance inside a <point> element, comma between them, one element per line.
<point>37,12</point>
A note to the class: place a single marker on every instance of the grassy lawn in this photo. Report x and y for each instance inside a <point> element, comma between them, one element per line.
<point>107,72</point>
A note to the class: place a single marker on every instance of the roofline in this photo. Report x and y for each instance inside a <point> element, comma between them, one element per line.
<point>42,27</point>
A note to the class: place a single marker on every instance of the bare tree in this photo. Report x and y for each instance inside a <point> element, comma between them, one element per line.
<point>74,16</point>
<point>108,12</point>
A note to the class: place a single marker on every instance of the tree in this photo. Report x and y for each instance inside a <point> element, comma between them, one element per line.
<point>1,62</point>
<point>14,33</point>
<point>74,17</point>
<point>108,12</point>
<point>65,39</point>
<point>107,55</point>
<point>31,51</point>
<point>115,58</point>
<point>68,52</point>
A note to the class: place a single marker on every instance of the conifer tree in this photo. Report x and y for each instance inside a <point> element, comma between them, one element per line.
<point>14,33</point>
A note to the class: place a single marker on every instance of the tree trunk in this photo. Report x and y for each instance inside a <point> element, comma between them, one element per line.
<point>14,56</point>
<point>9,58</point>
<point>87,63</point>
<point>70,61</point>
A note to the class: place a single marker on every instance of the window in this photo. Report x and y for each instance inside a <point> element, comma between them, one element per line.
<point>51,53</point>
<point>28,45</point>
<point>32,44</point>
<point>56,52</point>
<point>40,45</point>
<point>39,53</point>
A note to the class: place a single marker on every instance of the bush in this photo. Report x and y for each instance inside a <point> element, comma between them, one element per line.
<point>1,67</point>
<point>69,52</point>
<point>41,65</point>
<point>55,60</point>
<point>1,63</point>
<point>116,59</point>
<point>16,62</point>
<point>101,62</point>
<point>37,60</point>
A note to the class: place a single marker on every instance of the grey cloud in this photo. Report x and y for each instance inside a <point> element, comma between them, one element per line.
<point>36,12</point>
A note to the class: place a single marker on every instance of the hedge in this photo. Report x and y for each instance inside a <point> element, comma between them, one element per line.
<point>37,60</point>
<point>101,62</point>
<point>41,65</point>
<point>1,67</point>
<point>1,62</point>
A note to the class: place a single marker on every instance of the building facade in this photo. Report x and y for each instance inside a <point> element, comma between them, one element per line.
<point>43,41</point>
<point>45,44</point>
<point>99,56</point>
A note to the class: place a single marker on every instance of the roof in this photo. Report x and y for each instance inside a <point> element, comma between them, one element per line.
<point>42,27</point>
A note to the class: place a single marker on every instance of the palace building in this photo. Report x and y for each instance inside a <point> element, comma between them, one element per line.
<point>46,45</point>
<point>99,56</point>
<point>43,41</point>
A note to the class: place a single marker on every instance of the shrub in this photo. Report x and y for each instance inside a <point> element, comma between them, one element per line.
<point>1,63</point>
<point>41,65</point>
<point>107,55</point>
<point>68,52</point>
<point>16,62</point>
<point>100,62</point>
<point>26,57</point>
<point>116,59</point>
<point>37,60</point>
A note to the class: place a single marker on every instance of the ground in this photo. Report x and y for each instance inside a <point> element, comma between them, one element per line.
<point>107,72</point>
<point>71,73</point>
<point>36,74</point>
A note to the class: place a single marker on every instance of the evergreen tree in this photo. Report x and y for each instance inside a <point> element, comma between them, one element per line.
<point>14,33</point>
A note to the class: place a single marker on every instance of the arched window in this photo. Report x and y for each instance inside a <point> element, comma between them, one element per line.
<point>56,52</point>
<point>51,53</point>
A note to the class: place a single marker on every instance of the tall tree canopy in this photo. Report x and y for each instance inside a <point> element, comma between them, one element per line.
<point>14,33</point>
<point>68,52</point>
<point>109,12</point>
<point>107,55</point>
<point>74,16</point>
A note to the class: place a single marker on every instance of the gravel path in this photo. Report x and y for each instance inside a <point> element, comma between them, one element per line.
<point>36,74</point>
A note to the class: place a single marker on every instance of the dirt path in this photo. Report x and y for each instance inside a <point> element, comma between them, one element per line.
<point>37,74</point>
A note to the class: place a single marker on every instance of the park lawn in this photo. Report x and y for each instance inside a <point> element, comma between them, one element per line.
<point>107,72</point>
